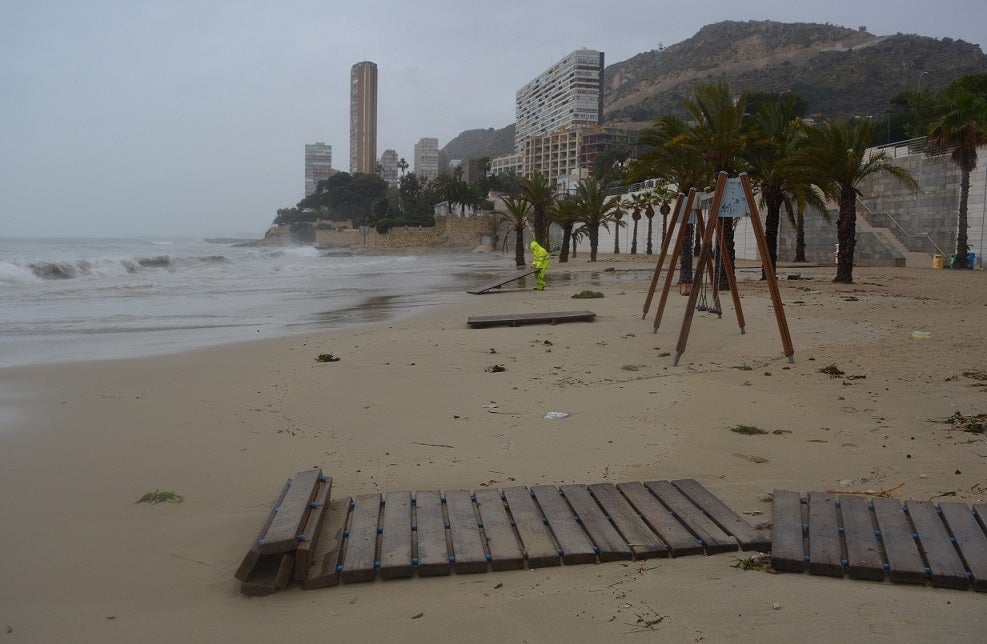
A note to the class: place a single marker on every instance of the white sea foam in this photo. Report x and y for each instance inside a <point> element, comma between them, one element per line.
<point>90,299</point>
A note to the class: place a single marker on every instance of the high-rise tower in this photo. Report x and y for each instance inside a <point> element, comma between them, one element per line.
<point>363,117</point>
<point>318,165</point>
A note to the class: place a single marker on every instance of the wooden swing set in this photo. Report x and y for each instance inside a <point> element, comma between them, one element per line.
<point>731,198</point>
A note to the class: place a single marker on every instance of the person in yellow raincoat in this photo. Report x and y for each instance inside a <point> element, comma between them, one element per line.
<point>539,261</point>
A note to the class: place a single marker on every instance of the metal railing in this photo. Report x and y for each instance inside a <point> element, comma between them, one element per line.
<point>904,232</point>
<point>901,149</point>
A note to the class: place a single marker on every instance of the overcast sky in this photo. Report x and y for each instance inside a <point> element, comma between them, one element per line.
<point>174,118</point>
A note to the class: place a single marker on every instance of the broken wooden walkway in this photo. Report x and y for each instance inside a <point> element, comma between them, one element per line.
<point>515,319</point>
<point>500,281</point>
<point>911,542</point>
<point>319,542</point>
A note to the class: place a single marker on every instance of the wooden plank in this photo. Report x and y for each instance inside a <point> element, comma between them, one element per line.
<point>500,281</point>
<point>576,546</point>
<point>732,523</point>
<point>327,553</point>
<point>863,550</point>
<point>787,543</point>
<point>945,567</point>
<point>610,546</point>
<point>312,530</point>
<point>643,542</point>
<point>539,546</point>
<point>505,551</point>
<point>713,538</point>
<point>515,319</point>
<point>680,541</point>
<point>970,539</point>
<point>905,564</point>
<point>395,539</point>
<point>361,544</point>
<point>252,557</point>
<point>282,535</point>
<point>825,551</point>
<point>272,572</point>
<point>430,530</point>
<point>467,545</point>
<point>980,510</point>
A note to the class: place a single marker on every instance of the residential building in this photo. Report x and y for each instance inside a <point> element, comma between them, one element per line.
<point>389,167</point>
<point>429,159</point>
<point>318,165</point>
<point>566,155</point>
<point>363,117</point>
<point>506,163</point>
<point>570,92</point>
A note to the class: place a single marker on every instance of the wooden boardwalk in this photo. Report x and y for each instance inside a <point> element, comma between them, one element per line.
<point>500,281</point>
<point>428,533</point>
<point>516,319</point>
<point>911,542</point>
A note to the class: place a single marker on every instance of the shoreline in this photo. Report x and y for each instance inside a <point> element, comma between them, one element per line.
<point>225,426</point>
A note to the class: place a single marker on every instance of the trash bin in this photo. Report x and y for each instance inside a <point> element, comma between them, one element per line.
<point>937,261</point>
<point>971,259</point>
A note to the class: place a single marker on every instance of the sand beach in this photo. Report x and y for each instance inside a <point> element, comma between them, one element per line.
<point>411,405</point>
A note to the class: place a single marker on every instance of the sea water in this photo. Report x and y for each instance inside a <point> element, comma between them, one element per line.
<point>89,299</point>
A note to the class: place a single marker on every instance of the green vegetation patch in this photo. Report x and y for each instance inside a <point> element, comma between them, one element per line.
<point>748,430</point>
<point>833,371</point>
<point>161,496</point>
<point>758,561</point>
<point>973,424</point>
<point>587,295</point>
<point>327,357</point>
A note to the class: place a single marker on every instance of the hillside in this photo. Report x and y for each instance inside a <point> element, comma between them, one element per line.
<point>839,71</point>
<point>473,144</point>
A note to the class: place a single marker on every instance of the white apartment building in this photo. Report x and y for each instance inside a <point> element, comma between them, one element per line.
<point>570,92</point>
<point>318,165</point>
<point>427,158</point>
<point>389,167</point>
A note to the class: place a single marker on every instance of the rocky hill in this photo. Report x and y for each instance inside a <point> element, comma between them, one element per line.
<point>473,144</point>
<point>838,71</point>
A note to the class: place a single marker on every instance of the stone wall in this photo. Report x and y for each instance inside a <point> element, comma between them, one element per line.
<point>449,233</point>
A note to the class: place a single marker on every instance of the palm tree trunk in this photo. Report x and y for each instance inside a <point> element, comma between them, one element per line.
<point>519,248</point>
<point>634,240</point>
<point>594,241</point>
<point>685,256</point>
<point>566,238</point>
<point>800,236</point>
<point>961,223</point>
<point>649,247</point>
<point>771,223</point>
<point>846,236</point>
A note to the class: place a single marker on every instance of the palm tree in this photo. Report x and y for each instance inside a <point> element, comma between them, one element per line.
<point>637,202</point>
<point>960,130</point>
<point>777,135</point>
<point>595,209</point>
<point>834,159</point>
<point>668,155</point>
<point>517,216</point>
<point>565,213</point>
<point>539,193</point>
<point>720,138</point>
<point>618,218</point>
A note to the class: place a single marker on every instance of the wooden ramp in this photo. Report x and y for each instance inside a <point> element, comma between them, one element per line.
<point>401,534</point>
<point>516,319</point>
<point>911,542</point>
<point>500,281</point>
